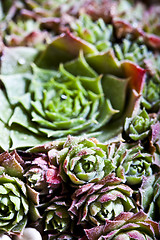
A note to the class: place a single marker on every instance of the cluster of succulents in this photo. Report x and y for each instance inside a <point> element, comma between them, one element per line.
<point>79,120</point>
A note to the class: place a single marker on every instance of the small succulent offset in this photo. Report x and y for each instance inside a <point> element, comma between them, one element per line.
<point>94,203</point>
<point>18,204</point>
<point>150,196</point>
<point>41,175</point>
<point>56,216</point>
<point>151,94</point>
<point>138,127</point>
<point>83,160</point>
<point>131,161</point>
<point>126,226</point>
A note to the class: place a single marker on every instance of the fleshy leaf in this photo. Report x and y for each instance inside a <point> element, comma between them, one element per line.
<point>64,48</point>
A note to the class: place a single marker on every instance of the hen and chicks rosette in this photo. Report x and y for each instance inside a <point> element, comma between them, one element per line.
<point>79,120</point>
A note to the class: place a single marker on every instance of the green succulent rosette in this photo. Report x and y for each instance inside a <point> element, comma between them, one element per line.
<point>138,127</point>
<point>40,174</point>
<point>83,95</point>
<point>56,216</point>
<point>150,196</point>
<point>126,226</point>
<point>85,161</point>
<point>131,161</point>
<point>17,204</point>
<point>95,203</point>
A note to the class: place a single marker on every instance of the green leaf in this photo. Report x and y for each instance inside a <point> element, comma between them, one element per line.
<point>80,67</point>
<point>105,63</point>
<point>17,60</point>
<point>22,138</point>
<point>5,140</point>
<point>5,108</point>
<point>115,89</point>
<point>21,118</point>
<point>15,85</point>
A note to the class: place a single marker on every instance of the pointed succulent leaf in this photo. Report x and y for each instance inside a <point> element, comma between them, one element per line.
<point>12,164</point>
<point>150,196</point>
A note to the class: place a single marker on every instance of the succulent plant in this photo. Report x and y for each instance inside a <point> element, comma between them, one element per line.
<point>94,203</point>
<point>56,216</point>
<point>152,23</point>
<point>85,76</point>
<point>17,204</point>
<point>74,99</point>
<point>26,33</point>
<point>41,175</point>
<point>84,161</point>
<point>126,226</point>
<point>138,127</point>
<point>131,161</point>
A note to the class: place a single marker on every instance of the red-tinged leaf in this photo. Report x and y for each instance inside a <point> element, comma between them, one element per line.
<point>136,74</point>
<point>136,235</point>
<point>140,216</point>
<point>130,226</point>
<point>83,189</point>
<point>110,180</point>
<point>94,233</point>
<point>11,165</point>
<point>41,162</point>
<point>52,176</point>
<point>33,195</point>
<point>109,197</point>
<point>124,216</point>
<point>155,227</point>
<point>123,27</point>
<point>64,48</point>
<point>152,40</point>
